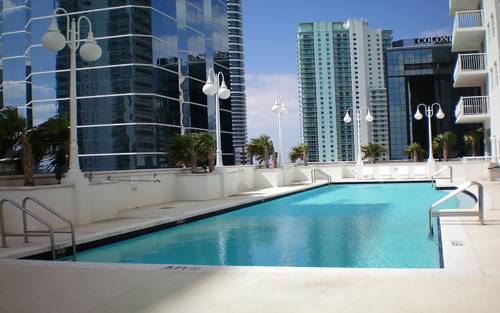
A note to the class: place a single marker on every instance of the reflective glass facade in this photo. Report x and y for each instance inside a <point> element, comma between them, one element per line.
<point>144,88</point>
<point>422,74</point>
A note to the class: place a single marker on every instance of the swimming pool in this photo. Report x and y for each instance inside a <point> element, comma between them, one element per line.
<point>349,225</point>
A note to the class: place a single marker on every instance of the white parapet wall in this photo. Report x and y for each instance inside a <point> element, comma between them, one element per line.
<point>101,195</point>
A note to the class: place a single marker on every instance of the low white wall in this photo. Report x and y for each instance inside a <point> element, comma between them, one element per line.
<point>338,171</point>
<point>103,194</point>
<point>198,187</point>
<point>59,197</point>
<point>18,180</point>
<point>268,178</point>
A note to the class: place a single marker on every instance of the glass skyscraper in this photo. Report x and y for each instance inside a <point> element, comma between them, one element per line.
<point>421,71</point>
<point>237,65</point>
<point>145,87</point>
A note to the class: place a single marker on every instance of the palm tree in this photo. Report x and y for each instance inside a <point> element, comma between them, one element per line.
<point>50,142</point>
<point>299,152</point>
<point>205,149</point>
<point>15,142</point>
<point>372,151</point>
<point>192,149</point>
<point>261,148</point>
<point>471,140</point>
<point>444,141</point>
<point>414,151</point>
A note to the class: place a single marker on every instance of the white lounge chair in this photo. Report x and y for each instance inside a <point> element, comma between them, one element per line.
<point>385,172</point>
<point>420,171</point>
<point>403,172</point>
<point>367,172</point>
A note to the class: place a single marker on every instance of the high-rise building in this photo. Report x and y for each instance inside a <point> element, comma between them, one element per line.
<point>476,38</point>
<point>146,86</point>
<point>341,66</point>
<point>238,97</point>
<point>420,71</point>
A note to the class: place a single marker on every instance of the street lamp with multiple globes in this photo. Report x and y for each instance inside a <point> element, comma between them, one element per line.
<point>357,116</point>
<point>429,112</point>
<point>216,86</point>
<point>90,51</point>
<point>280,109</point>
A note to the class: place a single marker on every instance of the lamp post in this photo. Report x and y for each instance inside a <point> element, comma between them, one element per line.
<point>216,86</point>
<point>357,116</point>
<point>280,109</point>
<point>90,51</point>
<point>429,112</point>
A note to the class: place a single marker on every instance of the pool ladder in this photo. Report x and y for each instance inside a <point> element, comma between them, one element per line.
<point>480,205</point>
<point>434,175</point>
<point>36,233</point>
<point>316,171</point>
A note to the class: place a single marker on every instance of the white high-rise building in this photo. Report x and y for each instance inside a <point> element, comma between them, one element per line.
<point>341,66</point>
<point>476,38</point>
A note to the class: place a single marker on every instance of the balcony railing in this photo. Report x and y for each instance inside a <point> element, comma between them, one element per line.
<point>472,62</point>
<point>468,19</point>
<point>472,106</point>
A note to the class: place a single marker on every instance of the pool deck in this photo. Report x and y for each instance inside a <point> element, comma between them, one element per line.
<point>471,286</point>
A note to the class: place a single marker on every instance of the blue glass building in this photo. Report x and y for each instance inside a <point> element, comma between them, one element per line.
<point>421,71</point>
<point>145,87</point>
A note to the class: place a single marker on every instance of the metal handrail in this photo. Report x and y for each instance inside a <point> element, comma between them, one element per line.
<point>434,175</point>
<point>460,189</point>
<point>55,213</point>
<point>4,234</point>
<point>316,170</point>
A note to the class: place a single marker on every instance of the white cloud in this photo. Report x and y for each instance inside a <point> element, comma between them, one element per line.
<point>443,31</point>
<point>261,92</point>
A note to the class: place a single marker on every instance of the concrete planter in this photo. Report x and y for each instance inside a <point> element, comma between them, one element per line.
<point>268,178</point>
<point>198,187</point>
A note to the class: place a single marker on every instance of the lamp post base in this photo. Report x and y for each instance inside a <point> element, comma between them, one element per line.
<point>72,176</point>
<point>431,166</point>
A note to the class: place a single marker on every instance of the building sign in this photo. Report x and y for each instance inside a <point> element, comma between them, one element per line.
<point>429,41</point>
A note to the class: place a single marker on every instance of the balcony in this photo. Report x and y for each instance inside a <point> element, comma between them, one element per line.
<point>463,5</point>
<point>472,110</point>
<point>470,70</point>
<point>468,31</point>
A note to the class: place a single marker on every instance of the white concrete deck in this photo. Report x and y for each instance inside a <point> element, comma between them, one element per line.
<point>84,287</point>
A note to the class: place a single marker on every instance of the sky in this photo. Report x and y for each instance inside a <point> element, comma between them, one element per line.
<point>270,30</point>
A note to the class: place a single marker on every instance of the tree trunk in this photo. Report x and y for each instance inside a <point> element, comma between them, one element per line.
<point>473,149</point>
<point>194,163</point>
<point>304,158</point>
<point>445,151</point>
<point>211,160</point>
<point>27,160</point>
<point>266,157</point>
<point>414,155</point>
<point>275,161</point>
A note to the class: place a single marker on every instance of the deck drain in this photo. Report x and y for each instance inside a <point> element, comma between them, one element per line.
<point>457,243</point>
<point>166,207</point>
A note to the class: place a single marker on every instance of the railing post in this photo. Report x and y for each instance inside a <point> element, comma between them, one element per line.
<point>25,228</point>
<point>480,195</point>
<point>2,226</point>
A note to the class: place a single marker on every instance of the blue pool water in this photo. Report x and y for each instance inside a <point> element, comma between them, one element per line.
<point>352,225</point>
